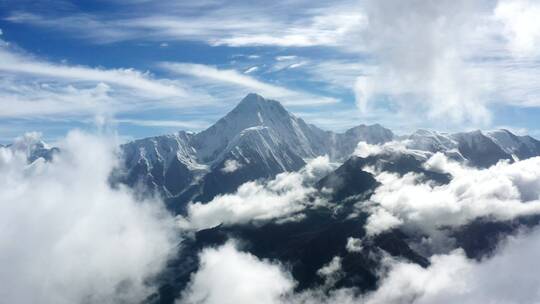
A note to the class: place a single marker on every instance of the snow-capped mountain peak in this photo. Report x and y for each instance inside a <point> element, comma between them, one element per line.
<point>259,134</point>
<point>520,147</point>
<point>33,147</point>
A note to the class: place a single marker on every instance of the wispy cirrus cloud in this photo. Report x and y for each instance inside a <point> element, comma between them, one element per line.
<point>215,23</point>
<point>212,74</point>
<point>182,124</point>
<point>17,63</point>
<point>485,59</point>
<point>38,89</point>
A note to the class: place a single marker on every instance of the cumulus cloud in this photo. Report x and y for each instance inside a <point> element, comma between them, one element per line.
<point>364,149</point>
<point>420,73</point>
<point>417,66</point>
<point>227,275</point>
<point>331,272</point>
<point>521,25</point>
<point>452,278</point>
<point>231,165</point>
<point>381,220</point>
<point>354,245</point>
<point>438,162</point>
<point>68,237</point>
<point>504,191</point>
<point>282,197</point>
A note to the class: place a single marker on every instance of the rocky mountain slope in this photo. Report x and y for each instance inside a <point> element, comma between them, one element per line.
<point>259,138</point>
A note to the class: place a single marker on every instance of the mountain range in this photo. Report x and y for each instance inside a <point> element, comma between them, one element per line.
<point>259,139</point>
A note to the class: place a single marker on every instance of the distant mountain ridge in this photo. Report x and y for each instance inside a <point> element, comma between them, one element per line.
<point>259,138</point>
<point>33,147</point>
<point>477,148</point>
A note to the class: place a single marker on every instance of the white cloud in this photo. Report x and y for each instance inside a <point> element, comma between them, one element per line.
<point>230,166</point>
<point>419,68</point>
<point>38,89</point>
<point>251,70</point>
<point>452,278</point>
<point>222,23</point>
<point>214,75</point>
<point>68,237</point>
<point>281,198</point>
<point>16,63</point>
<point>410,71</point>
<point>331,268</point>
<point>354,245</point>
<point>438,162</point>
<point>227,275</point>
<point>253,201</point>
<point>183,124</point>
<point>286,57</point>
<point>381,220</point>
<point>451,79</point>
<point>317,168</point>
<point>521,25</point>
<point>297,65</point>
<point>364,149</point>
<point>504,191</point>
<point>22,99</point>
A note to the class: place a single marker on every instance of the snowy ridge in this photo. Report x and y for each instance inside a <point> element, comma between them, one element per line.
<point>254,111</point>
<point>33,147</point>
<point>258,132</point>
<point>478,148</point>
<point>259,138</point>
<point>520,147</point>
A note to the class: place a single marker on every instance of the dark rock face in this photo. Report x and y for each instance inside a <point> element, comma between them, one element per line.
<point>304,247</point>
<point>481,237</point>
<point>479,150</point>
<point>348,180</point>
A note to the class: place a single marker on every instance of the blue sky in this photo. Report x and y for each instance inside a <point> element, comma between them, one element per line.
<point>151,67</point>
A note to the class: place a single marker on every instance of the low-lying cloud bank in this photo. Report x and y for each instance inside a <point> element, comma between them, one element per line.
<point>228,275</point>
<point>502,192</point>
<point>282,198</point>
<point>66,236</point>
<point>508,277</point>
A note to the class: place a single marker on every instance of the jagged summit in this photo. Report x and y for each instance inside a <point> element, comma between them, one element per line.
<point>254,110</point>
<point>33,146</point>
<point>258,134</point>
<point>254,98</point>
<point>254,104</point>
